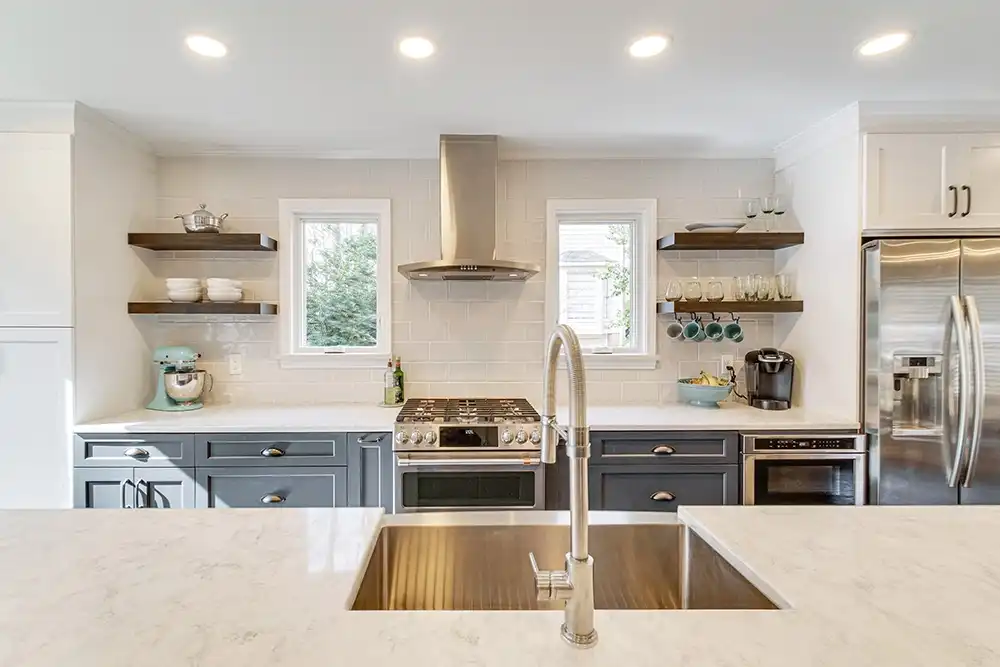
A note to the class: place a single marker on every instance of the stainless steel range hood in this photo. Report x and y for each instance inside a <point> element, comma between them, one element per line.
<point>469,216</point>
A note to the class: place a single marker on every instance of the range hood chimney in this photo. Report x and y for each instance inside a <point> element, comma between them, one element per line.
<point>469,216</point>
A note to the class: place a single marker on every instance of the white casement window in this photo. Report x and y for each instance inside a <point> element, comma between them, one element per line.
<point>336,281</point>
<point>601,277</point>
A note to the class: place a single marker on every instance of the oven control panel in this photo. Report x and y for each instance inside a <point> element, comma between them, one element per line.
<point>476,437</point>
<point>791,442</point>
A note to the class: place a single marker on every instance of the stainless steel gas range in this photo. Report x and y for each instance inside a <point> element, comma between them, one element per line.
<point>467,454</point>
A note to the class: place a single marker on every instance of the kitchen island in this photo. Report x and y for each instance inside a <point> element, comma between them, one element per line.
<point>857,586</point>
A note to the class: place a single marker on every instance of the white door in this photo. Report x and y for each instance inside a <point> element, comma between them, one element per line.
<point>979,181</point>
<point>36,215</point>
<point>36,423</point>
<point>911,181</point>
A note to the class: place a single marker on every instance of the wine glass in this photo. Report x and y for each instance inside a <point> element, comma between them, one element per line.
<point>692,291</point>
<point>716,292</point>
<point>752,209</point>
<point>779,205</point>
<point>675,291</point>
<point>767,205</point>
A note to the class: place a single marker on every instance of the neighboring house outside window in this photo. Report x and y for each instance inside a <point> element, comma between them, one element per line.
<point>599,271</point>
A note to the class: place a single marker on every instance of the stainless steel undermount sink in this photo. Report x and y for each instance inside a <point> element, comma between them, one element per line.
<point>641,566</point>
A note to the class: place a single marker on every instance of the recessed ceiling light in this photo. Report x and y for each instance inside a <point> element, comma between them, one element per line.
<point>417,48</point>
<point>884,43</point>
<point>648,46</point>
<point>206,46</point>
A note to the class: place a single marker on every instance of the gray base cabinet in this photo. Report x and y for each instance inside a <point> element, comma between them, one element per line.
<point>645,488</point>
<point>134,488</point>
<point>251,486</point>
<point>369,468</point>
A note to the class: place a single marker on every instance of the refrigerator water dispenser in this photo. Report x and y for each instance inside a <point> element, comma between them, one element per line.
<point>917,391</point>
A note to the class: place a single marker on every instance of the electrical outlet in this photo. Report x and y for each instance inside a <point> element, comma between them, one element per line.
<point>727,362</point>
<point>236,364</point>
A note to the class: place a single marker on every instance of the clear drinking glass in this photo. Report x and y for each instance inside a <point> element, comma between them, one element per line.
<point>692,290</point>
<point>675,291</point>
<point>785,289</point>
<point>779,206</point>
<point>752,209</point>
<point>750,287</point>
<point>716,292</point>
<point>739,288</point>
<point>765,288</point>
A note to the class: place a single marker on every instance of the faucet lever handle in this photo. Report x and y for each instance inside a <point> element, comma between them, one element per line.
<point>550,584</point>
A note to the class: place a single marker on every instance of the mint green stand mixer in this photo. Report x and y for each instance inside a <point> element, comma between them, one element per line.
<point>179,385</point>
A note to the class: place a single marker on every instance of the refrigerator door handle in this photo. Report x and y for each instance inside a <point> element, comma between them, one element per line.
<point>979,386</point>
<point>956,321</point>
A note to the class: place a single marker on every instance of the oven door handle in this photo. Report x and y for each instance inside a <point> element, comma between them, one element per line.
<point>803,455</point>
<point>467,463</point>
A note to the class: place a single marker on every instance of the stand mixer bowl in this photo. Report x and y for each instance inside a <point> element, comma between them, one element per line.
<point>187,387</point>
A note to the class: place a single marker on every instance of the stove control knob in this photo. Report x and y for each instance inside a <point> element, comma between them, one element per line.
<point>402,438</point>
<point>506,437</point>
<point>521,437</point>
<point>416,437</point>
<point>536,437</point>
<point>430,438</point>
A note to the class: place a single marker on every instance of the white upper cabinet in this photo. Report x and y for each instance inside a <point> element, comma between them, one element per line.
<point>979,181</point>
<point>910,180</point>
<point>36,214</point>
<point>931,181</point>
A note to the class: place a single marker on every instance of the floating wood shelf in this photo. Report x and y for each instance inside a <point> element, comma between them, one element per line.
<point>671,307</point>
<point>205,241</point>
<point>201,308</point>
<point>730,240</point>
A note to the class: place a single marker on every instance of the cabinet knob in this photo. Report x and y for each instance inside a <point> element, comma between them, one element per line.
<point>272,499</point>
<point>272,451</point>
<point>662,496</point>
<point>663,450</point>
<point>136,452</point>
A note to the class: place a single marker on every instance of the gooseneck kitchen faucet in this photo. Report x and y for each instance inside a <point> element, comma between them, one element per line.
<point>575,584</point>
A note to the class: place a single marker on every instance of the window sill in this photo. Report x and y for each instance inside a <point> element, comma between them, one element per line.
<point>615,361</point>
<point>346,360</point>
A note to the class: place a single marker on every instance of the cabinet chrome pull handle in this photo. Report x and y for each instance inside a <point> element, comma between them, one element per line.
<point>368,439</point>
<point>136,452</point>
<point>144,494</point>
<point>968,200</point>
<point>664,450</point>
<point>272,499</point>
<point>272,451</point>
<point>662,496</point>
<point>954,201</point>
<point>124,484</point>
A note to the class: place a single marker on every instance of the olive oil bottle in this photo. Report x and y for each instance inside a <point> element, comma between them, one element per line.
<point>397,380</point>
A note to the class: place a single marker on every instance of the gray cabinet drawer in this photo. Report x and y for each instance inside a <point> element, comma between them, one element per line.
<point>682,447</point>
<point>272,449</point>
<point>271,487</point>
<point>646,488</point>
<point>132,450</point>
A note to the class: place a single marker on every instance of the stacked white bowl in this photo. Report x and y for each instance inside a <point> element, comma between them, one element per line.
<point>224,289</point>
<point>184,289</point>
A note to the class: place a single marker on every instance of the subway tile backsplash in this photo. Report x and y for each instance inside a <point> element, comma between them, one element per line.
<point>456,339</point>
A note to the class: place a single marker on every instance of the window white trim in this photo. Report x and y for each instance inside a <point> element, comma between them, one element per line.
<point>643,213</point>
<point>291,304</point>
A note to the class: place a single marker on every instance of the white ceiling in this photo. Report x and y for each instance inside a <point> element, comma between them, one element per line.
<point>322,77</point>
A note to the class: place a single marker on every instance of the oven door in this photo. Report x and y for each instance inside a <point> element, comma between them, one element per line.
<point>804,478</point>
<point>447,481</point>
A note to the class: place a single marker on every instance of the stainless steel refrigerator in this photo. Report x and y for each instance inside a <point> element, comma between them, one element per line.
<point>931,396</point>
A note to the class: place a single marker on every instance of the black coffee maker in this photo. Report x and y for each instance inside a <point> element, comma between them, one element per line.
<point>770,373</point>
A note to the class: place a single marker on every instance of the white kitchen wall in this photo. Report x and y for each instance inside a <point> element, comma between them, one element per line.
<point>459,338</point>
<point>821,172</point>
<point>114,188</point>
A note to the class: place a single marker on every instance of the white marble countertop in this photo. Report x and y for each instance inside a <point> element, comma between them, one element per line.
<point>364,417</point>
<point>866,587</point>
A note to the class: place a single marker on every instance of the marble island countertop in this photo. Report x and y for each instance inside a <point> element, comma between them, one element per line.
<point>865,587</point>
<point>364,417</point>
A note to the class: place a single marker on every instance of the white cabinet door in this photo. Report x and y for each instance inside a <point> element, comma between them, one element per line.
<point>36,424</point>
<point>36,215</point>
<point>911,181</point>
<point>979,181</point>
